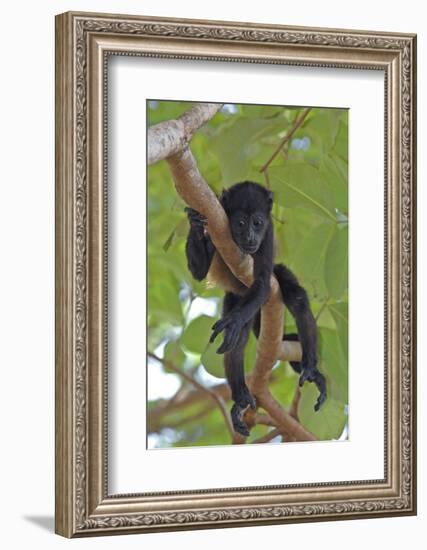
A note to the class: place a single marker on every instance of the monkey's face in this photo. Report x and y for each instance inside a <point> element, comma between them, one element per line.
<point>248,230</point>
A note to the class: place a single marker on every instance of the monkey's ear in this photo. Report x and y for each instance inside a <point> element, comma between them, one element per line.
<point>270,197</point>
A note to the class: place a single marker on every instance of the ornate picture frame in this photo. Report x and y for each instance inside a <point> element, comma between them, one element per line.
<point>84,41</point>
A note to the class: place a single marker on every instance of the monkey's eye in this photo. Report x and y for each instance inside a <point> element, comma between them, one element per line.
<point>241,223</point>
<point>257,223</point>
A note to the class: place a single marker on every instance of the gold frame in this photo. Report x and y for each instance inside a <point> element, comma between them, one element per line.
<point>83,43</point>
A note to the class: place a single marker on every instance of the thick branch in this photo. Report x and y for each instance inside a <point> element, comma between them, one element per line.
<point>169,137</point>
<point>285,422</point>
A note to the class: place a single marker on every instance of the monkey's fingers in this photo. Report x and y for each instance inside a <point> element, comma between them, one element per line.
<point>321,386</point>
<point>218,327</point>
<point>195,218</point>
<point>306,375</point>
<point>231,338</point>
<point>215,332</point>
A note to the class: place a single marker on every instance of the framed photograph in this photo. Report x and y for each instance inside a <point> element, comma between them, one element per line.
<point>235,274</point>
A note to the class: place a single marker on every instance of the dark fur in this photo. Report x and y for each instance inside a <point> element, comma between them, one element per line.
<point>248,207</point>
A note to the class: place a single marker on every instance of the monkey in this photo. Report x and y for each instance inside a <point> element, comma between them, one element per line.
<point>248,207</point>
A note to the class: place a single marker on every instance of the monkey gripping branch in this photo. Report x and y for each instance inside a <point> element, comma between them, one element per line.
<point>170,140</point>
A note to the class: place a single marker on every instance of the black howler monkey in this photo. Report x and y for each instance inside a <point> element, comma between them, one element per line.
<point>248,207</point>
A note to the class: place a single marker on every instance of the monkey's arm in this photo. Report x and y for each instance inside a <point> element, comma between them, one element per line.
<point>296,300</point>
<point>252,300</point>
<point>199,247</point>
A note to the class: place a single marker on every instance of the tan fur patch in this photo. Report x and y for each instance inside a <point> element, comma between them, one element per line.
<point>220,275</point>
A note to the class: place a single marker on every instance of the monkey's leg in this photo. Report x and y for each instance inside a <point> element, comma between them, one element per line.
<point>199,247</point>
<point>234,371</point>
<point>296,300</point>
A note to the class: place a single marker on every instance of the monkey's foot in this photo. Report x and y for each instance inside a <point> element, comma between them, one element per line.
<point>195,218</point>
<point>313,375</point>
<point>238,410</point>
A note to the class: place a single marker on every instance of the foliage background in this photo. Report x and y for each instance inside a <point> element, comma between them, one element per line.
<point>310,183</point>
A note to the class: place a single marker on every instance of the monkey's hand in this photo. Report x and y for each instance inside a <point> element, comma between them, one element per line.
<point>311,374</point>
<point>242,404</point>
<point>232,324</point>
<point>197,221</point>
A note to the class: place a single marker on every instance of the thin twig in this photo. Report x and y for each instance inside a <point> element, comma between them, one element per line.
<point>155,424</point>
<point>267,179</point>
<point>293,411</point>
<point>299,121</point>
<point>217,398</point>
<point>268,436</point>
<point>264,419</point>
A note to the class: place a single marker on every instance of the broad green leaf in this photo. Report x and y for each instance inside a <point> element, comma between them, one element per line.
<point>323,127</point>
<point>333,363</point>
<point>309,258</point>
<point>336,264</point>
<point>213,361</point>
<point>339,311</point>
<point>163,302</point>
<point>337,182</point>
<point>300,185</point>
<point>197,333</point>
<point>237,144</point>
<point>326,424</point>
<point>323,315</point>
<point>341,141</point>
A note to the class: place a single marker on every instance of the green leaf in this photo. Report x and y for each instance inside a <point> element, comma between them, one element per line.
<point>237,144</point>
<point>163,302</point>
<point>323,127</point>
<point>339,311</point>
<point>326,424</point>
<point>309,258</point>
<point>197,333</point>
<point>300,185</point>
<point>337,182</point>
<point>336,264</point>
<point>341,142</point>
<point>333,364</point>
<point>213,361</point>
<point>173,353</point>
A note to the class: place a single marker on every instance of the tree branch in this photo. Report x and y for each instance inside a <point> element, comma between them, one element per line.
<point>169,137</point>
<point>268,436</point>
